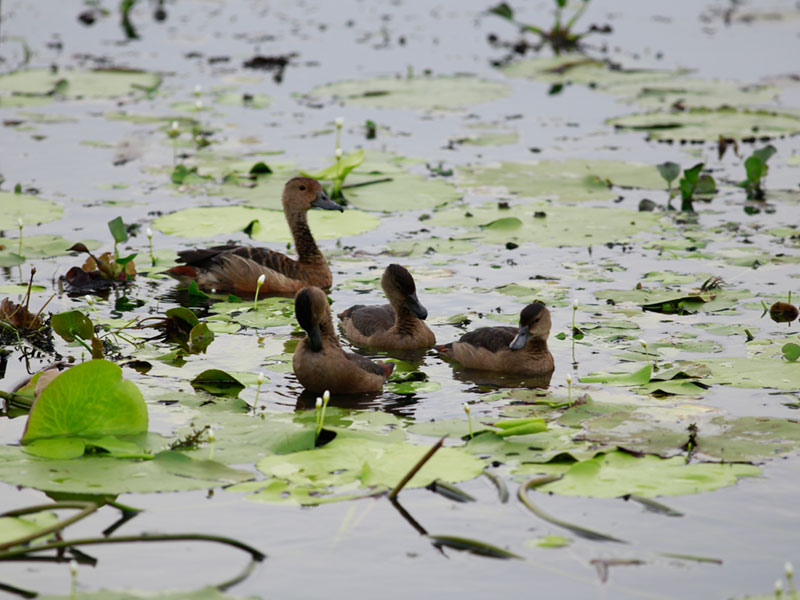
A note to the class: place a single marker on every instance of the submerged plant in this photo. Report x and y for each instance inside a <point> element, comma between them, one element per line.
<point>560,36</point>
<point>694,182</point>
<point>756,169</point>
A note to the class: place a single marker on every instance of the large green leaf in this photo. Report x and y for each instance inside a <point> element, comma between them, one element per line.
<point>30,209</point>
<point>88,400</point>
<point>101,83</point>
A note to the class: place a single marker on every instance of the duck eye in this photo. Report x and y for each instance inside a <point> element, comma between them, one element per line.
<point>302,188</point>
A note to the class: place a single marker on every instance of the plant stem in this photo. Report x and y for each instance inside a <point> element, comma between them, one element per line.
<point>415,468</point>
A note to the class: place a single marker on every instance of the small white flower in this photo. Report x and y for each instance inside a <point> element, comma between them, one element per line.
<point>326,396</point>
<point>261,279</point>
<point>569,379</point>
<point>198,89</point>
<point>19,223</point>
<point>213,290</point>
<point>319,403</point>
<point>149,233</point>
<point>339,121</point>
<point>261,378</point>
<point>778,587</point>
<point>89,300</point>
<point>174,127</point>
<point>466,408</point>
<point>788,569</point>
<point>73,567</point>
<point>643,343</point>
<point>198,104</point>
<point>575,304</point>
<point>338,153</point>
<point>211,436</point>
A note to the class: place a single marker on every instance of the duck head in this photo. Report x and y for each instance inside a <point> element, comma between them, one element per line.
<point>534,324</point>
<point>399,286</point>
<point>303,193</point>
<point>311,309</point>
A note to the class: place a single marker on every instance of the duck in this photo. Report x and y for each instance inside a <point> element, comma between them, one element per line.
<point>398,325</point>
<point>513,351</point>
<point>236,269</point>
<point>320,363</point>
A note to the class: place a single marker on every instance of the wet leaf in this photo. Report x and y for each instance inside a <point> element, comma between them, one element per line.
<point>218,383</point>
<point>72,324</point>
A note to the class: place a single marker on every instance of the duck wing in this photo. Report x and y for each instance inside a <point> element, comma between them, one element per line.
<point>491,338</point>
<point>369,320</point>
<point>379,368</point>
<point>224,256</point>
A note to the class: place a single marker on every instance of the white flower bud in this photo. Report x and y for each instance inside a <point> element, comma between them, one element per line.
<point>19,223</point>
<point>569,379</point>
<point>261,279</point>
<point>326,396</point>
<point>788,569</point>
<point>339,121</point>
<point>319,403</point>
<point>198,89</point>
<point>778,587</point>
<point>643,343</point>
<point>338,153</point>
<point>466,408</point>
<point>211,436</point>
<point>149,233</point>
<point>575,304</point>
<point>73,567</point>
<point>261,378</point>
<point>174,127</point>
<point>198,104</point>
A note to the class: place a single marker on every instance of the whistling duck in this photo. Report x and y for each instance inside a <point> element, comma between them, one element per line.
<point>320,363</point>
<point>394,326</point>
<point>234,268</point>
<point>508,350</point>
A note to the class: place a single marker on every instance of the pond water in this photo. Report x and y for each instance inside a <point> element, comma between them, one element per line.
<point>96,155</point>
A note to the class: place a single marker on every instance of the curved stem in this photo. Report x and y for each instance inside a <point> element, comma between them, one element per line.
<point>175,537</point>
<point>498,482</point>
<point>576,529</point>
<point>88,508</point>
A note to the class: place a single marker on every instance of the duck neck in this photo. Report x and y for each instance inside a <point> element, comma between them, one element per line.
<point>404,320</point>
<point>328,332</point>
<point>537,346</point>
<point>307,251</point>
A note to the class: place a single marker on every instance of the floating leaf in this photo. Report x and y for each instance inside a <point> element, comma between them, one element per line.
<point>72,324</point>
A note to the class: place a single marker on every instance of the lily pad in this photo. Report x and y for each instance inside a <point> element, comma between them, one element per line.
<point>30,209</point>
<point>43,246</point>
<point>270,227</point>
<point>618,474</point>
<point>101,83</point>
<point>569,180</point>
<point>709,125</point>
<point>443,92</point>
<point>560,225</point>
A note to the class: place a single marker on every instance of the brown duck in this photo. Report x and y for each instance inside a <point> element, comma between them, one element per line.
<point>320,363</point>
<point>394,326</point>
<point>236,269</point>
<point>507,350</point>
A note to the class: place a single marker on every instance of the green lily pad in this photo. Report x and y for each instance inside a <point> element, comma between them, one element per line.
<point>30,209</point>
<point>561,225</point>
<point>442,92</point>
<point>709,125</point>
<point>101,83</point>
<point>43,246</point>
<point>211,221</point>
<point>88,400</point>
<point>569,180</point>
<point>351,463</point>
<point>617,474</point>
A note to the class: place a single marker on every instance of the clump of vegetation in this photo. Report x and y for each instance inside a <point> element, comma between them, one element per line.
<point>101,272</point>
<point>338,172</point>
<point>560,37</point>
<point>693,183</point>
<point>756,169</point>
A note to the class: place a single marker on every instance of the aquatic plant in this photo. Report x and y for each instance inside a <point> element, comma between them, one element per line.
<point>338,172</point>
<point>259,282</point>
<point>756,169</point>
<point>694,182</point>
<point>560,37</point>
<point>173,132</point>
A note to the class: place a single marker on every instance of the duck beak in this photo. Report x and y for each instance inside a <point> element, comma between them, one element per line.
<point>315,338</point>
<point>322,201</point>
<point>413,304</point>
<point>518,343</point>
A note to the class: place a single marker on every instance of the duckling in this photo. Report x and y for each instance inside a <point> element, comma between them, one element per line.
<point>508,350</point>
<point>233,268</point>
<point>320,363</point>
<point>394,326</point>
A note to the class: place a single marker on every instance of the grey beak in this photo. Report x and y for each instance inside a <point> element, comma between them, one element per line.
<point>518,343</point>
<point>315,338</point>
<point>322,201</point>
<point>416,308</point>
